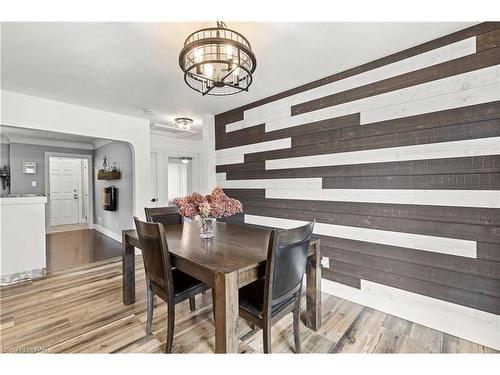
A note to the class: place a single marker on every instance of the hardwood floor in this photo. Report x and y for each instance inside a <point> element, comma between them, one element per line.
<point>75,248</point>
<point>81,311</point>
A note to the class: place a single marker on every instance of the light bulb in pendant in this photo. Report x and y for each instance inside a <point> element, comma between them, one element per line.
<point>198,54</point>
<point>208,70</point>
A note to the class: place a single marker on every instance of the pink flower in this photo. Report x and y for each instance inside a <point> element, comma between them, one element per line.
<point>217,205</point>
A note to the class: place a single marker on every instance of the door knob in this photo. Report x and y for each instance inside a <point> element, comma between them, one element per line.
<point>153,199</point>
<point>75,196</point>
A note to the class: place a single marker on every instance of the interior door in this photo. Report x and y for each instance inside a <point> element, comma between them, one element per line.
<point>64,178</point>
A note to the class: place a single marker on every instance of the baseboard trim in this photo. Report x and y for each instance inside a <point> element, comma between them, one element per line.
<point>108,233</point>
<point>474,325</point>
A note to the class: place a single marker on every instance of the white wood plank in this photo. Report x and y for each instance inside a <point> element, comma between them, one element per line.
<point>457,320</point>
<point>442,245</point>
<point>235,155</point>
<point>456,198</point>
<point>266,112</point>
<point>433,104</point>
<point>469,147</point>
<point>455,86</point>
<point>284,183</point>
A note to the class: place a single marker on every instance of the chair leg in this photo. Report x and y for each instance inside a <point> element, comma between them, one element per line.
<point>192,304</point>
<point>296,326</point>
<point>170,328</point>
<point>150,307</point>
<point>266,333</point>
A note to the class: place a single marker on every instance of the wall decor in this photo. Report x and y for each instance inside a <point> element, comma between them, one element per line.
<point>29,167</point>
<point>398,160</point>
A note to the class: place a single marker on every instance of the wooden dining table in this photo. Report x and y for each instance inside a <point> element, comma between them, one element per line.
<point>233,258</point>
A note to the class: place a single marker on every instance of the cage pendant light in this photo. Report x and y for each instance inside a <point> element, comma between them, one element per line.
<point>217,61</point>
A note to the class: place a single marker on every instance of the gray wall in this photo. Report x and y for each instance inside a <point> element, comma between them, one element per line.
<point>122,218</point>
<point>4,160</point>
<point>20,182</point>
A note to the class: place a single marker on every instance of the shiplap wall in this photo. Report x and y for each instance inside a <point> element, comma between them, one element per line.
<point>398,161</point>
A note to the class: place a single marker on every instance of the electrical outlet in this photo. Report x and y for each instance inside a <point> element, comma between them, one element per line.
<point>325,262</point>
<point>33,183</point>
<point>116,225</point>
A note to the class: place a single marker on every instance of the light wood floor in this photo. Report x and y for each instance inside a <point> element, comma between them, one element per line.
<point>82,311</point>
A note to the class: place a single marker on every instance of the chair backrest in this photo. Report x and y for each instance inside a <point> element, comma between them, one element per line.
<point>163,215</point>
<point>286,263</point>
<point>155,253</point>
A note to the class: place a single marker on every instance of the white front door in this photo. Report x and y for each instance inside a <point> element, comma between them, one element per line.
<point>64,179</point>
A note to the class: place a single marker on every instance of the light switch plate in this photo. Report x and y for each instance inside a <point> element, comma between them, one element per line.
<point>325,262</point>
<point>33,183</point>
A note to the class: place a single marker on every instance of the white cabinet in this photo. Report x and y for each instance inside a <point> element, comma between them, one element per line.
<point>22,238</point>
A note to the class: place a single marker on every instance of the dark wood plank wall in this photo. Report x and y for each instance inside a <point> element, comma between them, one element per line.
<point>467,281</point>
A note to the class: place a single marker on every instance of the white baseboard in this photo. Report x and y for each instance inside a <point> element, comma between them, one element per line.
<point>474,325</point>
<point>107,232</point>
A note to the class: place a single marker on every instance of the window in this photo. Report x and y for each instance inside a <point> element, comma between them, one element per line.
<point>177,179</point>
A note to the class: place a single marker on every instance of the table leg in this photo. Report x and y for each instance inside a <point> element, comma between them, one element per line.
<point>128,271</point>
<point>226,313</point>
<point>313,289</point>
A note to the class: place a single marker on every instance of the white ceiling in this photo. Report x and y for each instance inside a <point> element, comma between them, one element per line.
<point>128,67</point>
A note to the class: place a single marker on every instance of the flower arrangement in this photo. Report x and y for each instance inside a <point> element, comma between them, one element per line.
<point>215,205</point>
<point>206,208</point>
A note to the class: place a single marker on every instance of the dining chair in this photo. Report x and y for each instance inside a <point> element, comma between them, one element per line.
<point>167,216</point>
<point>163,215</point>
<point>267,300</point>
<point>171,285</point>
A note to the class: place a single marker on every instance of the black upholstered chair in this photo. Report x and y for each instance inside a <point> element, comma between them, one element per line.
<point>171,285</point>
<point>267,300</point>
<point>163,215</point>
<point>167,216</point>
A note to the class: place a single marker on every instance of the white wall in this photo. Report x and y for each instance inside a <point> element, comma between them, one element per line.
<point>204,149</point>
<point>113,222</point>
<point>44,114</point>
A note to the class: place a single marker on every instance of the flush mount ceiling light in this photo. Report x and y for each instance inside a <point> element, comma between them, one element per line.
<point>217,61</point>
<point>183,123</point>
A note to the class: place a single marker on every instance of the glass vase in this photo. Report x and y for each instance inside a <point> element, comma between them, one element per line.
<point>206,227</point>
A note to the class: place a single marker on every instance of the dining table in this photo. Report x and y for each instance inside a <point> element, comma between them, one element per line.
<point>233,258</point>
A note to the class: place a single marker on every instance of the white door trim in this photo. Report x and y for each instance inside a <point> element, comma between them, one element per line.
<point>90,204</point>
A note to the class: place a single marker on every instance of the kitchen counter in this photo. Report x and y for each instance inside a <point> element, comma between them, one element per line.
<point>22,251</point>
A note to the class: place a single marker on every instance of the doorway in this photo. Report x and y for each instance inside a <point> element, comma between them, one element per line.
<point>172,176</point>
<point>68,192</point>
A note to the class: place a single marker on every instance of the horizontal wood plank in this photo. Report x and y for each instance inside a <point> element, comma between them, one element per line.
<point>488,40</point>
<point>446,69</point>
<point>459,280</point>
<point>482,129</point>
<point>464,215</point>
<point>424,287</point>
<point>430,228</point>
<point>474,164</point>
<point>455,116</point>
<point>483,181</point>
<point>483,268</point>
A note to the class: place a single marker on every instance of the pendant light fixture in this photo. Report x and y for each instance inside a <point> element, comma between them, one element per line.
<point>217,61</point>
